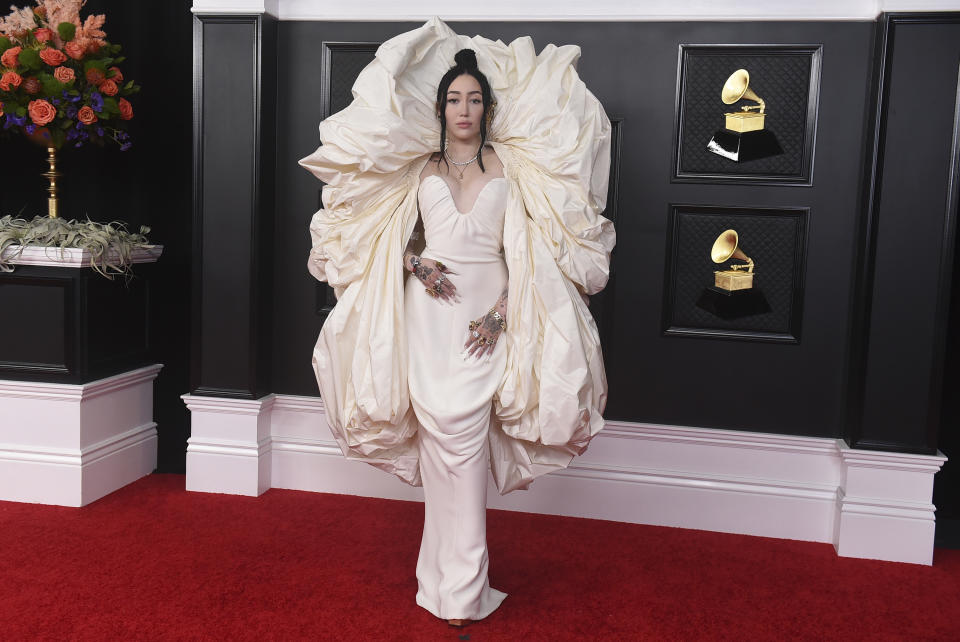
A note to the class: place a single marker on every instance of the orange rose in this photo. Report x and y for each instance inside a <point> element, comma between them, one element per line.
<point>95,76</point>
<point>52,57</point>
<point>10,80</point>
<point>74,49</point>
<point>1,109</point>
<point>86,115</point>
<point>43,35</point>
<point>31,86</point>
<point>117,76</point>
<point>9,57</point>
<point>108,88</point>
<point>64,74</point>
<point>41,112</point>
<point>126,109</point>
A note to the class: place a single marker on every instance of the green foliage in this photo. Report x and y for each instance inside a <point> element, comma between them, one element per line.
<point>110,107</point>
<point>51,86</point>
<point>94,64</point>
<point>67,31</point>
<point>110,244</point>
<point>5,44</point>
<point>29,58</point>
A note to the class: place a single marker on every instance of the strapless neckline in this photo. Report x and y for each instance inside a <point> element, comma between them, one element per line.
<point>450,193</point>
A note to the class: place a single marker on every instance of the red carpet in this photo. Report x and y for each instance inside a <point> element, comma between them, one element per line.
<point>153,562</point>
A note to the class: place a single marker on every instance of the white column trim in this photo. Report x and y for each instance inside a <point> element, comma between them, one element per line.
<point>229,449</point>
<point>270,7</point>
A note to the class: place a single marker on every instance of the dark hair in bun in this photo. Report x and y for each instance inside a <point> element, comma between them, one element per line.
<point>465,62</point>
<point>465,59</point>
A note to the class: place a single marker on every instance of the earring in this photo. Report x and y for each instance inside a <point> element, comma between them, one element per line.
<point>493,106</point>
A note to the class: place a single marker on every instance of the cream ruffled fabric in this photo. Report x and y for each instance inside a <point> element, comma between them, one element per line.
<point>554,140</point>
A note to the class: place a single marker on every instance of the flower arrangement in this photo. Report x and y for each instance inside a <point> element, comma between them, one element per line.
<point>59,79</point>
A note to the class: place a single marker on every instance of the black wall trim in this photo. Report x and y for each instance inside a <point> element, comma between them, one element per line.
<point>870,231</point>
<point>944,287</point>
<point>237,362</point>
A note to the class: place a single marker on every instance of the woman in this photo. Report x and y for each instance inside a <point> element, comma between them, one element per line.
<point>434,376</point>
<point>462,200</point>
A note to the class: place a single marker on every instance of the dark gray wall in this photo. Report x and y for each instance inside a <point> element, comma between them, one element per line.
<point>632,68</point>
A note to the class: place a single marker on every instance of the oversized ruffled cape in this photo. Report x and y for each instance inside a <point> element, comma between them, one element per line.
<point>553,138</point>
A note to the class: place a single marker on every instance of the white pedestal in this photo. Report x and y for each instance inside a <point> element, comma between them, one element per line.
<point>71,444</point>
<point>229,446</point>
<point>884,510</point>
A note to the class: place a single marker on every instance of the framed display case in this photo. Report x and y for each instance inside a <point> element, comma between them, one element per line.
<point>746,114</point>
<point>762,303</point>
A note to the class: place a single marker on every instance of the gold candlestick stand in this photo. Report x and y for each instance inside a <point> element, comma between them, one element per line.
<point>53,210</point>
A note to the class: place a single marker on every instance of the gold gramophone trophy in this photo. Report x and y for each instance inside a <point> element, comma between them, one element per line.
<point>740,275</point>
<point>732,294</point>
<point>744,137</point>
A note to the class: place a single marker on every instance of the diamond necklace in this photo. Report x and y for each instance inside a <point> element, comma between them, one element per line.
<point>462,166</point>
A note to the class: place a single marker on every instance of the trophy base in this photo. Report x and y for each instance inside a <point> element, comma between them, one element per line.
<point>735,304</point>
<point>733,280</point>
<point>746,146</point>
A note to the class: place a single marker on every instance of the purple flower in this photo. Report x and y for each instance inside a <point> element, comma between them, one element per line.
<point>56,101</point>
<point>13,120</point>
<point>71,111</point>
<point>99,131</point>
<point>125,147</point>
<point>30,128</point>
<point>96,101</point>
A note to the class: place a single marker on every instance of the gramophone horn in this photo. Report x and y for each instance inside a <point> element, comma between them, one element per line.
<point>726,248</point>
<point>737,87</point>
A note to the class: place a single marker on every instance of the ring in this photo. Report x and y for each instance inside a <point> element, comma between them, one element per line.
<point>482,341</point>
<point>431,293</point>
<point>441,266</point>
<point>475,334</point>
<point>441,279</point>
<point>438,287</point>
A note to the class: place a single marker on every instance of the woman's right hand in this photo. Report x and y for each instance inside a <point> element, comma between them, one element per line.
<point>433,275</point>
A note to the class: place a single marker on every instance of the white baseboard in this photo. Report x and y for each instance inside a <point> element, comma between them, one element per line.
<point>868,504</point>
<point>71,444</point>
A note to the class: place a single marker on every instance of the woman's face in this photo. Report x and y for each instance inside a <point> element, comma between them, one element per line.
<point>464,109</point>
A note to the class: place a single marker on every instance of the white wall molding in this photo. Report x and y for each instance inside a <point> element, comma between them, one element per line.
<point>71,444</point>
<point>572,10</point>
<point>868,504</point>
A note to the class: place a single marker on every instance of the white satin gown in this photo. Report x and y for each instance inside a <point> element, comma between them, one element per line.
<point>452,397</point>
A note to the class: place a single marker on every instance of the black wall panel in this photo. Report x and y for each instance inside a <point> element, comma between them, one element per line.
<point>234,159</point>
<point>912,219</point>
<point>632,68</point>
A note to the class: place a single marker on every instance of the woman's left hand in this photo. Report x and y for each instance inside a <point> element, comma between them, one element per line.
<point>483,334</point>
